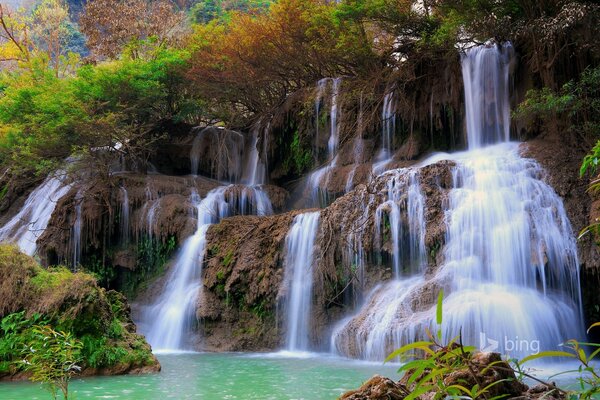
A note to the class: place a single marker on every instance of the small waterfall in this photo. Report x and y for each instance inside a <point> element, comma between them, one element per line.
<point>319,178</point>
<point>486,75</point>
<point>321,86</point>
<point>31,221</point>
<point>125,210</point>
<point>408,245</point>
<point>255,167</point>
<point>299,245</point>
<point>221,151</point>
<point>388,120</point>
<point>170,318</point>
<point>334,139</point>
<point>76,232</point>
<point>388,117</point>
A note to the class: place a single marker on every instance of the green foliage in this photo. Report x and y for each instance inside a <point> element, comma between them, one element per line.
<point>577,102</point>
<point>99,352</point>
<point>152,256</point>
<point>588,374</point>
<point>52,357</point>
<point>45,118</point>
<point>16,333</point>
<point>299,157</point>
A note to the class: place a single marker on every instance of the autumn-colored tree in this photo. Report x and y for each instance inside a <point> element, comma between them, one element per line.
<point>39,37</point>
<point>253,62</point>
<point>112,26</point>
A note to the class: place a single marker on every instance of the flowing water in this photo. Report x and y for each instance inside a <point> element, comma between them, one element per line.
<point>169,320</point>
<point>319,178</point>
<point>509,266</point>
<point>31,221</point>
<point>299,246</point>
<point>125,210</point>
<point>76,231</point>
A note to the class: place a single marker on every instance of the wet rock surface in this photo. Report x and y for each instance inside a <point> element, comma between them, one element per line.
<point>485,369</point>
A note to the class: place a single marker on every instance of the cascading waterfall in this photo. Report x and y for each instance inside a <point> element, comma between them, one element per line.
<point>510,266</point>
<point>253,197</point>
<point>485,72</point>
<point>31,221</point>
<point>76,231</point>
<point>320,177</point>
<point>171,316</point>
<point>408,246</point>
<point>321,86</point>
<point>125,210</point>
<point>299,245</point>
<point>388,120</point>
<point>334,139</point>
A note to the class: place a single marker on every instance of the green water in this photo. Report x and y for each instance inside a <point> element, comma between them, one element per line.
<point>222,376</point>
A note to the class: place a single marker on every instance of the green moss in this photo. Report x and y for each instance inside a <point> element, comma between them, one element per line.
<point>227,259</point>
<point>69,302</point>
<point>51,278</point>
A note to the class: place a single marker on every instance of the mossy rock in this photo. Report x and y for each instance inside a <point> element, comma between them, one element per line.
<point>70,302</point>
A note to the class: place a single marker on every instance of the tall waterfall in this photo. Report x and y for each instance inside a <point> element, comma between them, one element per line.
<point>299,245</point>
<point>319,178</point>
<point>125,210</point>
<point>486,74</point>
<point>30,222</point>
<point>171,316</point>
<point>510,266</point>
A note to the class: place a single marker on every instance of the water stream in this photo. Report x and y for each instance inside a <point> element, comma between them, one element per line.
<point>31,221</point>
<point>299,245</point>
<point>510,265</point>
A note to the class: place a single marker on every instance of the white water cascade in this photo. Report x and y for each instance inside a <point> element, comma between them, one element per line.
<point>320,177</point>
<point>76,231</point>
<point>170,318</point>
<point>125,211</point>
<point>299,245</point>
<point>510,266</point>
<point>31,221</point>
<point>388,120</point>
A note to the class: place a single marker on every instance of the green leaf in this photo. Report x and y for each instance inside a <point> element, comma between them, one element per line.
<point>419,391</point>
<point>439,313</point>
<point>412,346</point>
<point>545,354</point>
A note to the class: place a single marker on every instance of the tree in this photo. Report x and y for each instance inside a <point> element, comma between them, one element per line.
<point>52,358</point>
<point>113,26</point>
<point>40,38</point>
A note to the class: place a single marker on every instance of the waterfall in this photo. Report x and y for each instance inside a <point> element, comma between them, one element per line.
<point>299,244</point>
<point>125,210</point>
<point>388,123</point>
<point>334,139</point>
<point>254,200</point>
<point>321,85</point>
<point>319,178</point>
<point>510,266</point>
<point>32,219</point>
<point>76,231</point>
<point>255,167</point>
<point>170,318</point>
<point>509,246</point>
<point>403,189</point>
<point>485,74</point>
<point>388,118</point>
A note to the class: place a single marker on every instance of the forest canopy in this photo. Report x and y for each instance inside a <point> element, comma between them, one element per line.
<point>106,74</point>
